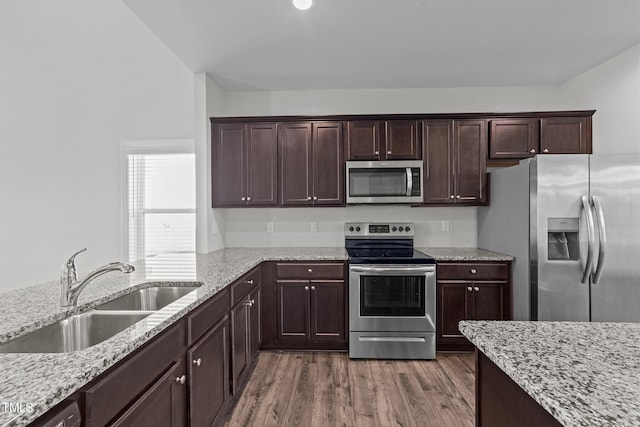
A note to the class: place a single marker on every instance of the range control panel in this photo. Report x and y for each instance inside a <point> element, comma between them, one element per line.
<point>379,229</point>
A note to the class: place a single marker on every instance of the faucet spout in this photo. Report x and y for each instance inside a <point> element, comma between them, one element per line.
<point>71,287</point>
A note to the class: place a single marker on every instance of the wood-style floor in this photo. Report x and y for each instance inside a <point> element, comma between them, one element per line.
<point>329,389</point>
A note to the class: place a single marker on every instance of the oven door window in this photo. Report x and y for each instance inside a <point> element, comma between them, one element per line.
<point>392,296</point>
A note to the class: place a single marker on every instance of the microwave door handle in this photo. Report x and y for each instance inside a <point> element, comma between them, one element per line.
<point>409,182</point>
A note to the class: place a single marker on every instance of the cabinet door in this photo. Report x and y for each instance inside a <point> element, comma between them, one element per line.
<point>363,140</point>
<point>470,165</point>
<point>328,164</point>
<point>262,164</point>
<point>455,303</point>
<point>208,362</point>
<point>293,310</point>
<point>564,135</point>
<point>489,301</point>
<point>239,343</point>
<point>513,138</point>
<point>437,151</point>
<point>327,311</point>
<point>255,311</point>
<point>229,165</point>
<point>163,404</point>
<point>295,163</point>
<point>401,140</point>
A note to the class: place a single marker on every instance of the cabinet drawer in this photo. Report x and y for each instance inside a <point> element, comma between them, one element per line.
<point>121,385</point>
<point>241,287</point>
<point>473,271</point>
<point>328,270</point>
<point>207,316</point>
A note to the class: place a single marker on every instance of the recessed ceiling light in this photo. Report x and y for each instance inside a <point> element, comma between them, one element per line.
<point>302,4</point>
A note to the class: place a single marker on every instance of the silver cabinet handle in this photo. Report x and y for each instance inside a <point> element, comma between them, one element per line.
<point>602,237</point>
<point>315,198</point>
<point>590,239</point>
<point>475,288</point>
<point>244,198</point>
<point>389,152</point>
<point>469,288</point>
<point>546,150</point>
<point>308,197</point>
<point>306,288</point>
<point>250,282</point>
<point>451,196</point>
<point>309,270</point>
<point>474,271</point>
<point>458,196</point>
<point>197,361</point>
<point>376,152</point>
<point>248,198</point>
<point>182,379</point>
<point>313,288</point>
<point>532,151</point>
<point>248,303</point>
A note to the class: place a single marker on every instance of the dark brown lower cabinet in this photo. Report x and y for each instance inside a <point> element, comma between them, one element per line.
<point>469,291</point>
<point>500,402</point>
<point>208,363</point>
<point>245,337</point>
<point>163,404</point>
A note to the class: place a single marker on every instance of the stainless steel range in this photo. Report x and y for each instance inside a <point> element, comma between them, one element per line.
<point>392,293</point>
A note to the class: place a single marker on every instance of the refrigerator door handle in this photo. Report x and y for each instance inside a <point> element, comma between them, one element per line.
<point>590,239</point>
<point>602,237</point>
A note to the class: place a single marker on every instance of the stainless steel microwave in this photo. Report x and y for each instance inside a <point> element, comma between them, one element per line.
<point>398,181</point>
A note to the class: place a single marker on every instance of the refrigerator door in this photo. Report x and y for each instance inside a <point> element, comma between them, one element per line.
<point>559,237</point>
<point>615,184</point>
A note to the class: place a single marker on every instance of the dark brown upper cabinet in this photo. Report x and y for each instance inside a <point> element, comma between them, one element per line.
<point>513,138</point>
<point>519,138</point>
<point>244,164</point>
<point>311,164</point>
<point>455,170</point>
<point>383,140</point>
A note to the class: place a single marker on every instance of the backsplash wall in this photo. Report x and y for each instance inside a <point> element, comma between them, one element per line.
<point>292,226</point>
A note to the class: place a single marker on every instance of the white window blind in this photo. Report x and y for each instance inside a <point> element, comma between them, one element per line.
<point>161,214</point>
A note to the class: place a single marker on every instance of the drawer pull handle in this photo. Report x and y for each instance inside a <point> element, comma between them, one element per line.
<point>250,282</point>
<point>389,152</point>
<point>469,288</point>
<point>306,288</point>
<point>197,361</point>
<point>546,150</point>
<point>532,151</point>
<point>475,288</point>
<point>376,152</point>
<point>310,270</point>
<point>182,379</point>
<point>313,288</point>
<point>474,271</point>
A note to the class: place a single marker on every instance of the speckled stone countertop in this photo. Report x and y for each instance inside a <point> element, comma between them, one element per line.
<point>37,382</point>
<point>584,374</point>
<point>464,254</point>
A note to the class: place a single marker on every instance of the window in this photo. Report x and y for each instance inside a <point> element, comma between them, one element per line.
<point>161,207</point>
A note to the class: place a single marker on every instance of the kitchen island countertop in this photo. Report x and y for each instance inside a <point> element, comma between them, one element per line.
<point>582,373</point>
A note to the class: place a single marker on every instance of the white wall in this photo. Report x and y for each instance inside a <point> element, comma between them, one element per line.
<point>77,78</point>
<point>613,90</point>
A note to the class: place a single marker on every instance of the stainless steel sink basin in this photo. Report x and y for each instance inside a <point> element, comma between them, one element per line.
<point>153,298</point>
<point>73,333</point>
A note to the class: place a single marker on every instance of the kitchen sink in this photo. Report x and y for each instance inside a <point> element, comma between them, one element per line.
<point>76,332</point>
<point>153,298</point>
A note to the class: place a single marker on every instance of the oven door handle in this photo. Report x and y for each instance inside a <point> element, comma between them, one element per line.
<point>416,269</point>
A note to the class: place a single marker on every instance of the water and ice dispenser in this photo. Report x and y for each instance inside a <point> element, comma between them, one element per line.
<point>562,239</point>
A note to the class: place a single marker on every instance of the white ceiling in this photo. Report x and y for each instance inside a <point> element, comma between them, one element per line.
<point>353,44</point>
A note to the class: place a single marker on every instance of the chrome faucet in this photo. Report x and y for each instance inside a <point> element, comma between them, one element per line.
<point>70,286</point>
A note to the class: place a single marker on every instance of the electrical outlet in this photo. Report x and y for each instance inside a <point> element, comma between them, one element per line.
<point>445,225</point>
<point>314,227</point>
<point>269,227</point>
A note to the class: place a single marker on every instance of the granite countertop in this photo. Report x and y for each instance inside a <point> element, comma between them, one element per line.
<point>465,254</point>
<point>37,382</point>
<point>582,373</point>
<point>40,381</point>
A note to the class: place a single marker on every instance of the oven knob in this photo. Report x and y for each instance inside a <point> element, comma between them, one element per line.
<point>401,228</point>
<point>357,228</point>
<point>407,229</point>
<point>350,228</point>
<point>394,228</point>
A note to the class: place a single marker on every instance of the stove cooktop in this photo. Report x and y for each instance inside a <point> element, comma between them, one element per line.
<point>388,256</point>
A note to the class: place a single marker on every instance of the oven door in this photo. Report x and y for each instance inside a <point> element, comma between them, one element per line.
<point>392,297</point>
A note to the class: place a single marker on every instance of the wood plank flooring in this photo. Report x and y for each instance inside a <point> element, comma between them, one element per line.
<point>329,389</point>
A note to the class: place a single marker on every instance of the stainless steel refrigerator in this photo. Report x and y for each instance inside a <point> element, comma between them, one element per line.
<point>572,222</point>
